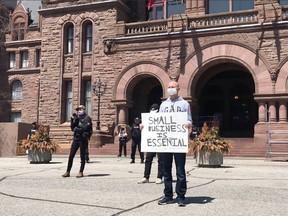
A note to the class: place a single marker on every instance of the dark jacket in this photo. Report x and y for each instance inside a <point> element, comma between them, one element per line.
<point>82,127</point>
<point>135,132</point>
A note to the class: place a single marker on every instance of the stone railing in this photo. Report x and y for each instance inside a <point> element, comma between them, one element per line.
<point>147,27</point>
<point>224,19</point>
<point>186,23</point>
<point>285,13</point>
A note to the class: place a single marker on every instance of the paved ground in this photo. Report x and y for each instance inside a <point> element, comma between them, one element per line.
<point>240,187</point>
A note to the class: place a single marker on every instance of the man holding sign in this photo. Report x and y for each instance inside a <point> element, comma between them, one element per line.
<point>175,104</point>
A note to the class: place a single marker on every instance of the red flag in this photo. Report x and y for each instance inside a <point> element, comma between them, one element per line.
<point>150,3</point>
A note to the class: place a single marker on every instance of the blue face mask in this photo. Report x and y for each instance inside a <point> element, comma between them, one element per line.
<point>81,112</point>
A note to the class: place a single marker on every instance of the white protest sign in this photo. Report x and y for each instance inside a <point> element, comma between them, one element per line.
<point>164,132</point>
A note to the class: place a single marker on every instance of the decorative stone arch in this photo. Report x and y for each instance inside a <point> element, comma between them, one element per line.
<point>128,78</point>
<point>226,53</point>
<point>137,69</point>
<point>281,85</point>
<point>88,16</point>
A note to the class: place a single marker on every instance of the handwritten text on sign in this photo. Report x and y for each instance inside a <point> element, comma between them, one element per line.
<point>164,132</point>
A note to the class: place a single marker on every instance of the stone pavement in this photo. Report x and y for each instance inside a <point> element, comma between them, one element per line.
<point>242,186</point>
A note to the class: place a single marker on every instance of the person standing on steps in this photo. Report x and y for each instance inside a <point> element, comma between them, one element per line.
<point>81,125</point>
<point>149,159</point>
<point>136,140</point>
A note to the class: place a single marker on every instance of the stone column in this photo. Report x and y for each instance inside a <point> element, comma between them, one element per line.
<point>188,6</point>
<point>272,111</point>
<point>261,112</point>
<point>122,115</point>
<point>194,5</point>
<point>282,111</point>
<point>201,7</point>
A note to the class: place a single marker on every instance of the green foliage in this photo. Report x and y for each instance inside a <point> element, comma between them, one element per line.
<point>209,140</point>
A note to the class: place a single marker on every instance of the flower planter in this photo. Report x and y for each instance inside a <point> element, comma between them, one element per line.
<point>209,159</point>
<point>39,157</point>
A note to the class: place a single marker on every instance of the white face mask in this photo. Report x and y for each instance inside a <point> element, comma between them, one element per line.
<point>153,111</point>
<point>172,91</point>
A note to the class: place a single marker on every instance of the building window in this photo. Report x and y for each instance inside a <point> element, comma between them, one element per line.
<point>12,60</point>
<point>222,6</point>
<point>17,90</point>
<point>24,59</point>
<point>165,9</point>
<point>283,2</point>
<point>37,58</point>
<point>68,100</point>
<point>87,96</point>
<point>18,31</point>
<point>69,37</point>
<point>15,117</point>
<point>87,36</point>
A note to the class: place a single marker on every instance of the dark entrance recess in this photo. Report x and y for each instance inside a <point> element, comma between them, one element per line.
<point>146,92</point>
<point>228,97</point>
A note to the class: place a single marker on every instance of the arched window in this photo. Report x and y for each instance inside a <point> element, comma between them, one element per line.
<point>17,90</point>
<point>18,29</point>
<point>69,38</point>
<point>87,36</point>
<point>87,96</point>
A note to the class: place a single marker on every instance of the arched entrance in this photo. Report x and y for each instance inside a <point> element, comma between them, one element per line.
<point>227,95</point>
<point>146,91</point>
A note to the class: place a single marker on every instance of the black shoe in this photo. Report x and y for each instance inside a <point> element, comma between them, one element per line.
<point>142,161</point>
<point>133,161</point>
<point>165,201</point>
<point>118,155</point>
<point>181,202</point>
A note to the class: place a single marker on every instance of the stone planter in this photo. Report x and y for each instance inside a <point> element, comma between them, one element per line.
<point>209,159</point>
<point>39,157</point>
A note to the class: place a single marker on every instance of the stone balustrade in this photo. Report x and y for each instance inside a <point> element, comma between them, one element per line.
<point>223,19</point>
<point>187,23</point>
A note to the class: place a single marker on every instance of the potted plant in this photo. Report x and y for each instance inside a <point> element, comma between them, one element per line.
<point>39,145</point>
<point>209,147</point>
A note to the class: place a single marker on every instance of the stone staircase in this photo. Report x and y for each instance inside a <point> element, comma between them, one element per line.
<point>242,147</point>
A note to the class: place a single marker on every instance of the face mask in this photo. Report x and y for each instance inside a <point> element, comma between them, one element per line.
<point>153,111</point>
<point>81,112</point>
<point>172,91</point>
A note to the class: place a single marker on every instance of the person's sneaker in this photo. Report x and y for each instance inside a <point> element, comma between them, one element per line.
<point>158,181</point>
<point>80,175</point>
<point>181,202</point>
<point>118,155</point>
<point>144,180</point>
<point>165,201</point>
<point>133,161</point>
<point>67,174</point>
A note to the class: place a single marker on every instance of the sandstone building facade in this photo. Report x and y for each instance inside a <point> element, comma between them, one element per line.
<point>230,59</point>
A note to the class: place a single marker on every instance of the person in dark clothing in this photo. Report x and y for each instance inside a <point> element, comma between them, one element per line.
<point>149,159</point>
<point>122,142</point>
<point>81,125</point>
<point>33,130</point>
<point>136,140</point>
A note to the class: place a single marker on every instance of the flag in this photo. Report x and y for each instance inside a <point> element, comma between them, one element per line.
<point>151,2</point>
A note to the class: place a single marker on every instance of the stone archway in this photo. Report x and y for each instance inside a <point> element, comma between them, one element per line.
<point>200,64</point>
<point>214,54</point>
<point>127,80</point>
